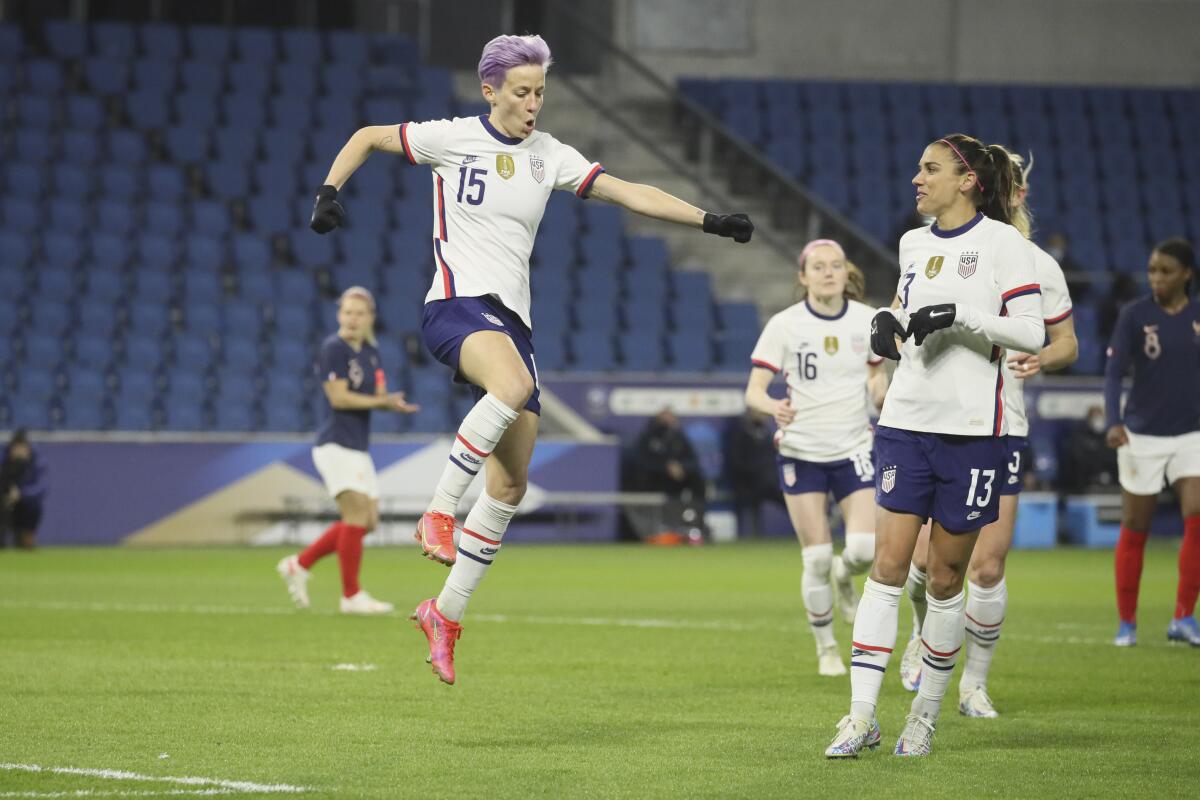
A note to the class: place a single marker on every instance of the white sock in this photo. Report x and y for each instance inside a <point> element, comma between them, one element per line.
<point>943,637</point>
<point>477,547</point>
<point>859,552</point>
<point>478,435</point>
<point>984,615</point>
<point>874,639</point>
<point>915,586</point>
<point>817,592</point>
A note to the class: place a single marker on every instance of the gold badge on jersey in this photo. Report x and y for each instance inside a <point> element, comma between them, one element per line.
<point>505,166</point>
<point>831,345</point>
<point>934,266</point>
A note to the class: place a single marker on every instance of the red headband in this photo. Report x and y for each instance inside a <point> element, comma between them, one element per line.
<point>950,144</point>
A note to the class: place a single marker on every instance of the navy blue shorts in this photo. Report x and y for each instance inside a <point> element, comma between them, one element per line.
<point>1017,465</point>
<point>840,477</point>
<point>445,324</point>
<point>956,480</point>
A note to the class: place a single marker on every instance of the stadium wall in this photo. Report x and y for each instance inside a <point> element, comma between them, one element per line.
<point>1020,41</point>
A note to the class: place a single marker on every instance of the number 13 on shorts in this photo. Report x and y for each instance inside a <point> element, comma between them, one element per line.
<point>988,476</point>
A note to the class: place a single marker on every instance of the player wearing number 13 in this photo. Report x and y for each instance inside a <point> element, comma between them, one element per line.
<point>968,290</point>
<point>492,177</point>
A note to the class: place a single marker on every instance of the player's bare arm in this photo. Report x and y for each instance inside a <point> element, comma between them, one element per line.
<point>1060,353</point>
<point>650,201</point>
<point>758,399</point>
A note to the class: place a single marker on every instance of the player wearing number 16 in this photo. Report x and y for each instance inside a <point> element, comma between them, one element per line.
<point>968,290</point>
<point>492,177</point>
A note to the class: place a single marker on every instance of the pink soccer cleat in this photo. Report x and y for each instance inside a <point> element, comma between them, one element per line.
<point>435,533</point>
<point>442,634</point>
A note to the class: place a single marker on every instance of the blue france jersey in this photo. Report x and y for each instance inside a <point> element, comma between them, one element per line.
<point>1164,351</point>
<point>363,375</point>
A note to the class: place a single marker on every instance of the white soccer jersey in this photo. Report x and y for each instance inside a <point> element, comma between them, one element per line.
<point>953,382</point>
<point>824,361</point>
<point>489,194</point>
<point>1056,307</point>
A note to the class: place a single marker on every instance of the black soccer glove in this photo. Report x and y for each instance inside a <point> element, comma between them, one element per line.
<point>327,211</point>
<point>929,319</point>
<point>884,330</point>
<point>734,226</point>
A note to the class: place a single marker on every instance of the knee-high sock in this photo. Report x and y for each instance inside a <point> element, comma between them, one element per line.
<point>478,435</point>
<point>1130,550</point>
<point>915,587</point>
<point>478,546</point>
<point>942,638</point>
<point>323,546</point>
<point>349,548</point>
<point>874,639</point>
<point>859,552</point>
<point>984,615</point>
<point>818,592</point>
<point>1189,568</point>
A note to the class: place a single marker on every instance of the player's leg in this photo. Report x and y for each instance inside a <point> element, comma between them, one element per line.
<point>26,517</point>
<point>987,604</point>
<point>807,513</point>
<point>858,513</point>
<point>914,587</point>
<point>489,360</point>
<point>1183,626</point>
<point>364,506</point>
<point>1141,470</point>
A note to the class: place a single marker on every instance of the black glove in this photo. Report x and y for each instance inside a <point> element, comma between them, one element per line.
<point>929,319</point>
<point>735,226</point>
<point>884,330</point>
<point>327,211</point>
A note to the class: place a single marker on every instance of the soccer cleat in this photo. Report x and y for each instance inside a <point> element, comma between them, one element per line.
<point>435,533</point>
<point>363,603</point>
<point>847,598</point>
<point>296,578</point>
<point>1184,629</point>
<point>1127,634</point>
<point>976,703</point>
<point>442,634</point>
<point>829,662</point>
<point>852,736</point>
<point>910,664</point>
<point>917,737</point>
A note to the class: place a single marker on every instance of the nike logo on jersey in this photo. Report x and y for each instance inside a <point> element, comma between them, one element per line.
<point>469,160</point>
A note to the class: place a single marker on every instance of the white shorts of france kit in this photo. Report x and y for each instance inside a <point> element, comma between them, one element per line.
<point>1144,463</point>
<point>344,469</point>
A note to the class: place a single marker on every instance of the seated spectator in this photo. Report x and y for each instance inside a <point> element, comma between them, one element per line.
<point>1087,461</point>
<point>22,491</point>
<point>750,465</point>
<point>663,460</point>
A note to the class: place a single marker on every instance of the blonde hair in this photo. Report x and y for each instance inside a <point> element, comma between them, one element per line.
<point>361,293</point>
<point>856,283</point>
<point>801,291</point>
<point>1022,215</point>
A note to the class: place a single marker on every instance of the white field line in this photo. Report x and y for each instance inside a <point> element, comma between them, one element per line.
<point>214,785</point>
<point>114,793</point>
<point>606,622</point>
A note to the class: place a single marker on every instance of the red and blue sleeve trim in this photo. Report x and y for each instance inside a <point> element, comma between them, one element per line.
<point>441,201</point>
<point>1060,317</point>
<point>404,143</point>
<point>765,365</point>
<point>586,186</point>
<point>447,274</point>
<point>1021,291</point>
<point>998,416</point>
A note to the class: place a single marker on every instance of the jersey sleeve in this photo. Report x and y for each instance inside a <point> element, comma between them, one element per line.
<point>1119,349</point>
<point>1056,298</point>
<point>575,173</point>
<point>771,349</point>
<point>332,363</point>
<point>425,142</point>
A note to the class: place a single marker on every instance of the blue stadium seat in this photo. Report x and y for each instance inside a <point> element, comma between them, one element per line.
<point>106,76</point>
<point>69,215</point>
<point>29,180</point>
<point>185,414</point>
<point>251,253</point>
<point>196,109</point>
<point>358,247</point>
<point>187,144</point>
<point>209,43</point>
<point>166,182</point>
<point>313,251</point>
<point>286,148</point>
<point>133,416</point>
<point>87,381</point>
<point>293,322</point>
<point>136,383</point>
<point>66,40</point>
<point>114,39</point>
<point>84,412</point>
<point>147,109</point>
<point>62,250</point>
<point>155,76</point>
<point>243,319</point>
<point>93,352</point>
<point>386,80</point>
<point>739,316</point>
<point>192,352</point>
<point>30,412</point>
<point>154,289</point>
<point>21,214</point>
<point>15,250</point>
<point>227,180</point>
<point>202,286</point>
<point>336,110</point>
<point>210,217</point>
<point>57,280</point>
<point>246,109</point>
<point>12,42</point>
<point>161,40</point>
<point>284,418</point>
<point>348,48</point>
<point>301,46</point>
<point>736,348</point>
<point>591,352</point>
<point>689,351</point>
<point>600,251</point>
<point>44,76</point>
<point>256,45</point>
<point>34,145</point>
<point>325,143</point>
<point>53,313</point>
<point>270,213</point>
<point>648,252</point>
<point>399,50</point>
<point>291,355</point>
<point>36,111</point>
<point>201,317</point>
<point>164,218</point>
<point>71,180</point>
<point>237,144</point>
<point>256,287</point>
<point>241,355</point>
<point>204,78</point>
<point>116,218</point>
<point>291,111</point>
<point>640,352</point>
<point>186,383</point>
<point>551,351</point>
<point>156,252</point>
<point>42,353</point>
<point>105,286</point>
<point>295,288</point>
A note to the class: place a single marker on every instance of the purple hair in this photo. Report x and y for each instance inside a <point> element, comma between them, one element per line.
<point>505,52</point>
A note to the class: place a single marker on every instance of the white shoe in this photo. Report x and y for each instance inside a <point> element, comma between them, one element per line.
<point>363,603</point>
<point>847,598</point>
<point>910,664</point>
<point>917,737</point>
<point>829,662</point>
<point>976,703</point>
<point>296,578</point>
<point>852,736</point>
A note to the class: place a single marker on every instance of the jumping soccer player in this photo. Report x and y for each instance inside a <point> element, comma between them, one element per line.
<point>987,593</point>
<point>1157,436</point>
<point>492,178</point>
<point>968,288</point>
<point>820,345</point>
<point>354,384</point>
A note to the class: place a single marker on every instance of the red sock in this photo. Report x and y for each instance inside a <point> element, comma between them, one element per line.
<point>322,546</point>
<point>349,549</point>
<point>1189,568</point>
<point>1130,549</point>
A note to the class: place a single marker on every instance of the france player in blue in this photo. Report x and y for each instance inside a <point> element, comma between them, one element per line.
<point>22,491</point>
<point>353,380</point>
<point>1157,435</point>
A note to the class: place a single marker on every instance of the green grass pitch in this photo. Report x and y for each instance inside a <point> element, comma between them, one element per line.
<point>588,671</point>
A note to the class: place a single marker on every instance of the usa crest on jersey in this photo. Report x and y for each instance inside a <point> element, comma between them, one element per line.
<point>537,167</point>
<point>967,262</point>
<point>789,474</point>
<point>889,479</point>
